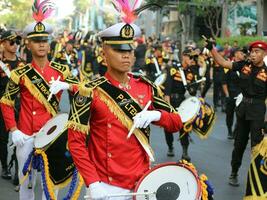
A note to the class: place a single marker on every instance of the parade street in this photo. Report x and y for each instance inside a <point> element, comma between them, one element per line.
<point>211,156</point>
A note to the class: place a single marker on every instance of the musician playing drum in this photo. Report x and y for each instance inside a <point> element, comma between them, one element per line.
<point>105,109</point>
<point>32,83</point>
<point>175,94</point>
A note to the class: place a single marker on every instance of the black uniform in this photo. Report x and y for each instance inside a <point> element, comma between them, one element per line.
<point>251,111</point>
<point>218,95</point>
<point>231,79</point>
<point>3,132</point>
<point>176,90</point>
<point>207,83</point>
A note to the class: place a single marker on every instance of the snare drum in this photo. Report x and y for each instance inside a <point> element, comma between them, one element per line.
<point>170,181</point>
<point>197,115</point>
<point>52,138</point>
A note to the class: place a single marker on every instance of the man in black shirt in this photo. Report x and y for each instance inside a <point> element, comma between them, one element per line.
<point>231,89</point>
<point>251,110</point>
<point>175,94</point>
<point>10,41</point>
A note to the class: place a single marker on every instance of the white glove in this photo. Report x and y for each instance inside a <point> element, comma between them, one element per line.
<point>96,191</point>
<point>18,137</point>
<point>238,99</point>
<point>144,118</point>
<point>56,86</point>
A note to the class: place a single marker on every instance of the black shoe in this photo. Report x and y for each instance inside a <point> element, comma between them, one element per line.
<point>186,157</point>
<point>233,180</point>
<point>170,152</point>
<point>6,174</point>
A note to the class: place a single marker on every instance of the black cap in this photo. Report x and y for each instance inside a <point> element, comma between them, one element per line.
<point>9,35</point>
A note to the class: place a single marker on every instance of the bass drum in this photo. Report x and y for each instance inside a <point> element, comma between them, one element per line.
<point>169,181</point>
<point>53,139</point>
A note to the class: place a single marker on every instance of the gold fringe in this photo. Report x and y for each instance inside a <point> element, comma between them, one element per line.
<point>7,102</point>
<point>117,112</point>
<point>39,96</point>
<point>78,127</point>
<point>125,120</point>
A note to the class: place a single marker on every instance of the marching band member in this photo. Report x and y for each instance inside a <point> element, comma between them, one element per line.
<point>31,82</point>
<point>10,41</point>
<point>251,106</point>
<point>175,94</point>
<point>103,112</point>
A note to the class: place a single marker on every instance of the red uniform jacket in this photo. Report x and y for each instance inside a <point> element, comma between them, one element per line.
<point>33,114</point>
<point>110,157</point>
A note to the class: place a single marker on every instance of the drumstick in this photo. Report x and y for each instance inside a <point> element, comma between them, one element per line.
<point>5,69</point>
<point>50,95</point>
<point>127,194</point>
<point>134,125</point>
<point>157,66</point>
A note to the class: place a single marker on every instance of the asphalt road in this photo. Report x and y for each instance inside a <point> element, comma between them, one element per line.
<point>211,156</point>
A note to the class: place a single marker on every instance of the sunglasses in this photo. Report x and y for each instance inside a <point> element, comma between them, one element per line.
<point>12,42</point>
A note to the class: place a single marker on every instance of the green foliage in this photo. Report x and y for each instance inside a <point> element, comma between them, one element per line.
<point>17,14</point>
<point>242,40</point>
<point>81,5</point>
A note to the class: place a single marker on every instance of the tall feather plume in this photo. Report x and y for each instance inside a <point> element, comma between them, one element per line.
<point>128,12</point>
<point>42,9</point>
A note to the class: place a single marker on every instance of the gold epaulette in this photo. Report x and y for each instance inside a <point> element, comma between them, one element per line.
<point>18,72</point>
<point>86,88</point>
<point>64,69</point>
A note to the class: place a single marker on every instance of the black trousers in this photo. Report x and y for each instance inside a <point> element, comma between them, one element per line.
<point>243,128</point>
<point>218,94</point>
<point>3,142</point>
<point>176,100</point>
<point>205,88</point>
<point>230,111</point>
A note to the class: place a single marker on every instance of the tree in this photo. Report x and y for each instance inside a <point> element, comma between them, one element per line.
<point>15,13</point>
<point>260,17</point>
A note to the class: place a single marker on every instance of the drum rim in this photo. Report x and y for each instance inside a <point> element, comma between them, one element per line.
<point>44,147</point>
<point>199,193</point>
<point>199,107</point>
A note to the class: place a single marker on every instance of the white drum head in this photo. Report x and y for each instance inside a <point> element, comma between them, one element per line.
<point>189,108</point>
<point>172,176</point>
<point>160,80</point>
<point>50,130</point>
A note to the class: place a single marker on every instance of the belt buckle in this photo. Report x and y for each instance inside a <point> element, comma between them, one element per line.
<point>248,100</point>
